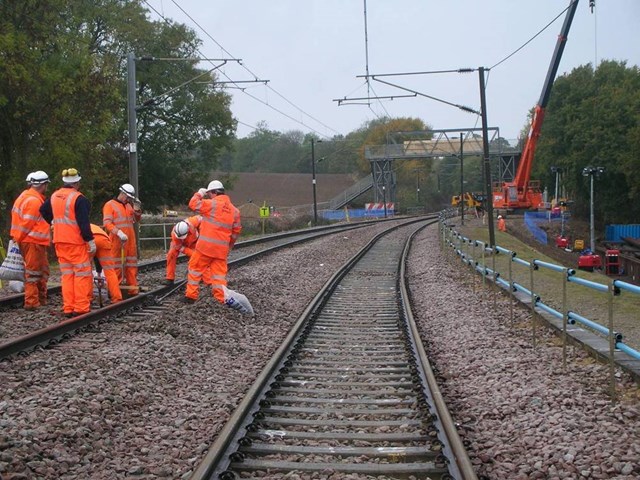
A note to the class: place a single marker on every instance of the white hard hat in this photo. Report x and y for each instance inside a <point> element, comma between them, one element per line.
<point>181,229</point>
<point>499,217</point>
<point>28,179</point>
<point>128,190</point>
<point>38,178</point>
<point>215,185</point>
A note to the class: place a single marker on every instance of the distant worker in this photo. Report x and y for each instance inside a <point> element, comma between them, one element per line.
<point>118,217</point>
<point>68,211</point>
<point>33,235</point>
<point>219,230</point>
<point>106,262</point>
<point>184,236</point>
<point>502,225</point>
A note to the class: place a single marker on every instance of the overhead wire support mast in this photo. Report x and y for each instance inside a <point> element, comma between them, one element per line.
<point>345,100</point>
<point>461,107</point>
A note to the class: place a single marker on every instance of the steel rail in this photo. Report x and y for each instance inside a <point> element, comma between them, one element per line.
<point>463,465</point>
<point>65,329</point>
<point>18,298</point>
<point>286,383</point>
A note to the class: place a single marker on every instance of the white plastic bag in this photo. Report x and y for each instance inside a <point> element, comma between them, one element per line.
<point>13,266</point>
<point>237,301</point>
<point>16,286</point>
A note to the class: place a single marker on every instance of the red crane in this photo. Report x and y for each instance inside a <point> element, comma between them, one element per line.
<point>523,193</point>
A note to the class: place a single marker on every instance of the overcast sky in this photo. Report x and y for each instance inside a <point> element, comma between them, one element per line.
<point>312,51</point>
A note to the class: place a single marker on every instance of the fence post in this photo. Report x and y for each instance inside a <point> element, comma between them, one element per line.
<point>164,236</point>
<point>473,265</point>
<point>494,252</point>
<point>565,318</point>
<point>511,292</point>
<point>612,344</point>
<point>533,306</point>
<point>484,266</point>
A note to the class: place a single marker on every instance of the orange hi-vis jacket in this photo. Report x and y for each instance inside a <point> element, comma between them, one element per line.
<point>186,245</point>
<point>220,227</point>
<point>119,216</point>
<point>27,224</point>
<point>65,226</point>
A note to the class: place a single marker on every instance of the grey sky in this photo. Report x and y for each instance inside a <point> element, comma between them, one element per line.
<point>311,51</point>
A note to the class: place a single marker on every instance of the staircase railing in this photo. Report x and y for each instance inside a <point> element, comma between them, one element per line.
<point>351,193</point>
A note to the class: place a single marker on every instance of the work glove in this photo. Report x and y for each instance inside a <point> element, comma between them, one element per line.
<point>92,246</point>
<point>202,192</point>
<point>122,236</point>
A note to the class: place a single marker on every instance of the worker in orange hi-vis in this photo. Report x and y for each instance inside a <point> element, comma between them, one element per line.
<point>118,217</point>
<point>502,224</point>
<point>32,234</point>
<point>184,236</point>
<point>219,231</point>
<point>106,262</point>
<point>68,211</point>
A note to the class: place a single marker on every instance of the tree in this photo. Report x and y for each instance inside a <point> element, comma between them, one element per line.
<point>63,100</point>
<point>56,101</point>
<point>593,119</point>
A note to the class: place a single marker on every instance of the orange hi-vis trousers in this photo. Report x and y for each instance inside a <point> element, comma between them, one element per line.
<point>215,268</point>
<point>130,253</point>
<point>36,273</point>
<point>110,267</point>
<point>172,260</point>
<point>76,276</point>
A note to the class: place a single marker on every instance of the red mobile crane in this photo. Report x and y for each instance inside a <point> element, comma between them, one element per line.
<point>524,193</point>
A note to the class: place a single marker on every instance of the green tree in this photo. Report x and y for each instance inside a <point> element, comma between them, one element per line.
<point>63,100</point>
<point>56,101</point>
<point>593,119</point>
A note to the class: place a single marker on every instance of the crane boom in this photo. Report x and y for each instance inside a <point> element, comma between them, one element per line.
<point>523,193</point>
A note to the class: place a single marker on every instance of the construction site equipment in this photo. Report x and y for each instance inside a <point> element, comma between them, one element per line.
<point>471,200</point>
<point>523,193</point>
<point>562,241</point>
<point>612,262</point>
<point>589,262</point>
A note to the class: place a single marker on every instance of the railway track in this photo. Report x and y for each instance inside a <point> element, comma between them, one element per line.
<point>350,391</point>
<point>259,243</point>
<point>50,330</point>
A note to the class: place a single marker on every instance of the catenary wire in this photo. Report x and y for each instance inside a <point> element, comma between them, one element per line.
<point>255,76</point>
<point>530,40</point>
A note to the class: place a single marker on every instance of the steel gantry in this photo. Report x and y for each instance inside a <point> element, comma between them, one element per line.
<point>436,143</point>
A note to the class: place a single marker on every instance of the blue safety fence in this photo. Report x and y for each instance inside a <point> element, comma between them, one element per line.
<point>463,246</point>
<point>533,220</point>
<point>354,213</point>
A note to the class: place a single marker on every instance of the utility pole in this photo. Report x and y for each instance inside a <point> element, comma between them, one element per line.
<point>313,180</point>
<point>133,129</point>
<point>461,184</point>
<point>487,160</point>
<point>591,172</point>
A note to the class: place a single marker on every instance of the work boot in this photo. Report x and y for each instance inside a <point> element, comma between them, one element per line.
<point>189,301</point>
<point>168,281</point>
<point>31,308</point>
